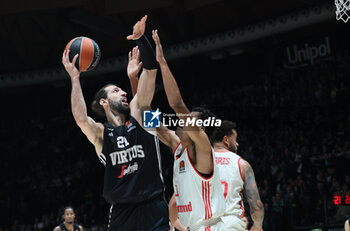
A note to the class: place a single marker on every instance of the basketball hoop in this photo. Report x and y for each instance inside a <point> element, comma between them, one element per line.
<point>342,10</point>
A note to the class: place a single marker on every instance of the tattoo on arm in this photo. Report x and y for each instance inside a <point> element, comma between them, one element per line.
<point>251,194</point>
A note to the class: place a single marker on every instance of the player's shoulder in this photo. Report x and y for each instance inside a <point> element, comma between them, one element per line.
<point>236,155</point>
<point>57,228</point>
<point>243,163</point>
<point>80,227</point>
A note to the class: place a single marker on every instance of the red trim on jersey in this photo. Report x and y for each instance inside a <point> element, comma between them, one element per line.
<point>206,199</point>
<point>188,155</point>
<point>210,212</point>
<point>177,148</point>
<point>203,197</point>
<point>239,166</point>
<point>241,204</point>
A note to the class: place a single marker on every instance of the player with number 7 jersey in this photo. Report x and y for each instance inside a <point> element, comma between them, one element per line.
<point>232,184</point>
<point>237,178</point>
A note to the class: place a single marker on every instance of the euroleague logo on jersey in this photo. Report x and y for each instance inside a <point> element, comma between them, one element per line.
<point>182,167</point>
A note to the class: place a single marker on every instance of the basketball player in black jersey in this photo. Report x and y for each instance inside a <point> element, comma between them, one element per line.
<point>133,183</point>
<point>68,223</point>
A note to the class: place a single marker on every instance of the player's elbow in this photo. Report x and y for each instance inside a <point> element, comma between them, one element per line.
<point>144,99</point>
<point>258,208</point>
<point>81,122</point>
<point>80,118</point>
<point>144,102</point>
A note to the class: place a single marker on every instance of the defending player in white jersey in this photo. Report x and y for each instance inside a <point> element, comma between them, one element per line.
<point>237,177</point>
<point>198,192</point>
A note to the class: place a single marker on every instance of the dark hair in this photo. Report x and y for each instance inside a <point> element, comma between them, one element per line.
<point>224,130</point>
<point>67,207</point>
<point>205,113</point>
<point>95,105</point>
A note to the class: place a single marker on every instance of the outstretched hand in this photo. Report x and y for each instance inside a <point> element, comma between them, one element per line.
<point>70,66</point>
<point>138,29</point>
<point>159,50</point>
<point>134,65</point>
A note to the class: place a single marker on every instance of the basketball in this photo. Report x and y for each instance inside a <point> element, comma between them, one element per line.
<point>88,50</point>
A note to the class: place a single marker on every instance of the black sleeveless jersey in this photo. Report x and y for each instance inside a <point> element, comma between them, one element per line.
<point>132,162</point>
<point>64,228</point>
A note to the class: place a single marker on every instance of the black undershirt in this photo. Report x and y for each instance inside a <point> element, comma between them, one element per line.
<point>206,176</point>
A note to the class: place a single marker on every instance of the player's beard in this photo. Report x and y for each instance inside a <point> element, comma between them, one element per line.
<point>119,107</point>
<point>232,148</point>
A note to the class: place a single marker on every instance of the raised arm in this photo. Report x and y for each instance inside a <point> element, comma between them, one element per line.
<point>170,85</point>
<point>251,193</point>
<point>167,136</point>
<point>92,130</point>
<point>196,134</point>
<point>146,83</point>
<point>133,69</point>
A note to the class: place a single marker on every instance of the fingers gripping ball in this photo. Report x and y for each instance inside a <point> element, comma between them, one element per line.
<point>88,50</point>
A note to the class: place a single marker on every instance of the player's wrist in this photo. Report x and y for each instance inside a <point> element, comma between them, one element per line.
<point>132,76</point>
<point>146,53</point>
<point>75,77</point>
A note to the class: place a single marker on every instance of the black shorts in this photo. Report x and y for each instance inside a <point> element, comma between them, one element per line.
<point>147,216</point>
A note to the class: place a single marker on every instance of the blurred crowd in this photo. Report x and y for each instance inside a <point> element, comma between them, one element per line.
<point>293,128</point>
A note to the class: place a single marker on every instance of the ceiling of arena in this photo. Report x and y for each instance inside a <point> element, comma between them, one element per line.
<point>34,33</point>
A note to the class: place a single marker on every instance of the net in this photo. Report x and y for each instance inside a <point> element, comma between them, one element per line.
<point>342,10</point>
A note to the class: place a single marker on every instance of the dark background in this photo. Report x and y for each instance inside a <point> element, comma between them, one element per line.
<point>292,118</point>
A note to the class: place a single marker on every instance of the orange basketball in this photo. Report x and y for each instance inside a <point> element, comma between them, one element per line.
<point>88,50</point>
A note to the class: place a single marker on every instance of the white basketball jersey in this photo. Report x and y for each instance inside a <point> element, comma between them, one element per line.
<point>232,184</point>
<point>198,199</point>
